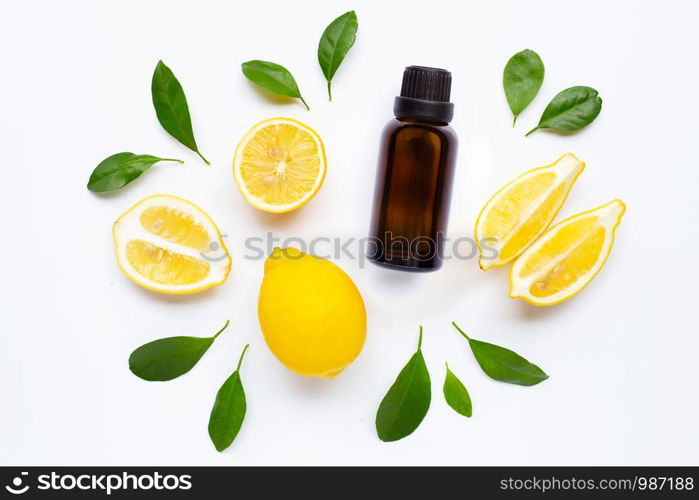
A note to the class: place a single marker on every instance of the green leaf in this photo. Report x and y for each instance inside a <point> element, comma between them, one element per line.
<point>171,107</point>
<point>228,412</point>
<point>456,395</point>
<point>273,78</point>
<point>522,79</point>
<point>166,359</point>
<point>406,403</point>
<point>118,170</point>
<point>502,364</point>
<point>571,109</point>
<point>334,44</point>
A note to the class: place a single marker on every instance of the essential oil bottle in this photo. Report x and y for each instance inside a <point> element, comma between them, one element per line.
<point>415,175</point>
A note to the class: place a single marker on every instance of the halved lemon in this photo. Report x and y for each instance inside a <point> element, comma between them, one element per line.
<point>279,165</point>
<point>168,244</point>
<point>522,210</point>
<point>565,259</point>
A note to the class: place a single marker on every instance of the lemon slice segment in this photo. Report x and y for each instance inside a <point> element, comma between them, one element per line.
<point>565,259</point>
<point>168,244</point>
<point>279,165</point>
<point>522,210</point>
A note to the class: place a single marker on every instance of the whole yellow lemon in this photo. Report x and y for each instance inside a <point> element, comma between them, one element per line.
<point>311,313</point>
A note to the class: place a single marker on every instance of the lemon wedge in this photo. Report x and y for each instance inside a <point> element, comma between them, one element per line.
<point>522,210</point>
<point>168,244</point>
<point>279,165</point>
<point>566,258</point>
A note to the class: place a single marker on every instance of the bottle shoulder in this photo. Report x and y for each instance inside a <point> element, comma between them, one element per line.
<point>396,126</point>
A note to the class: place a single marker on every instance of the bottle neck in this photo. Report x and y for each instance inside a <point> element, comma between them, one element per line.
<point>420,109</point>
<point>420,121</point>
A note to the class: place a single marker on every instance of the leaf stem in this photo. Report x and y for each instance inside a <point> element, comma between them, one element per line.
<point>224,327</point>
<point>419,341</point>
<point>305,103</point>
<point>461,331</point>
<point>172,159</point>
<point>330,95</point>
<point>532,131</point>
<point>514,120</point>
<point>240,361</point>
<point>202,157</point>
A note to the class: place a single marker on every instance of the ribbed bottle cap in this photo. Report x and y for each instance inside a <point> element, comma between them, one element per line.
<point>428,84</point>
<point>424,95</point>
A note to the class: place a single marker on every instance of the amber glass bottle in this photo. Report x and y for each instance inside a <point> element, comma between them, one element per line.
<point>415,174</point>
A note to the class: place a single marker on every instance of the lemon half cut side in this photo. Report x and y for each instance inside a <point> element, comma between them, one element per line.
<point>565,259</point>
<point>279,165</point>
<point>168,244</point>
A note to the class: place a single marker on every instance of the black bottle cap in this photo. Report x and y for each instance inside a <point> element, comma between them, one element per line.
<point>425,95</point>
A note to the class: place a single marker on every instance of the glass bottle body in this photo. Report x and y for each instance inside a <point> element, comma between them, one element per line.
<point>412,195</point>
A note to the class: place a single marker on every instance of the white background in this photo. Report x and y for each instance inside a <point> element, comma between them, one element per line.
<point>75,80</point>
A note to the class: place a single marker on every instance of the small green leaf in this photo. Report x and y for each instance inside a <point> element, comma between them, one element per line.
<point>572,109</point>
<point>228,412</point>
<point>502,364</point>
<point>118,170</point>
<point>406,403</point>
<point>166,359</point>
<point>456,395</point>
<point>522,79</point>
<point>273,78</point>
<point>171,107</point>
<point>334,44</point>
